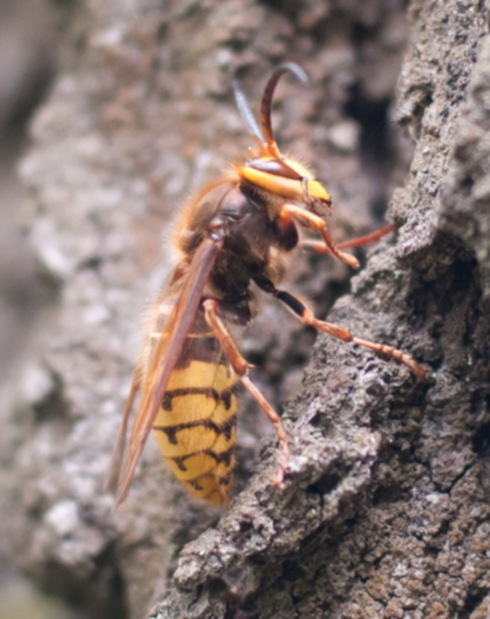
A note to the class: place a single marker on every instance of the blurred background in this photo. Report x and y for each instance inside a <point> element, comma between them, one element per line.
<point>28,49</point>
<point>28,52</point>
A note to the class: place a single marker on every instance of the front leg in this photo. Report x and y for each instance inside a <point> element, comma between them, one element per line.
<point>314,222</point>
<point>321,248</point>
<point>240,366</point>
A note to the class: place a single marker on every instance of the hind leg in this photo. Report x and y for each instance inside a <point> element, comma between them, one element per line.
<point>241,367</point>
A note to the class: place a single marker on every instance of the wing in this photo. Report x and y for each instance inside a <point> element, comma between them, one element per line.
<point>153,380</point>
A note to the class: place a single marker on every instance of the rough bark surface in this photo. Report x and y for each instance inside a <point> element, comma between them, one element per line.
<point>384,511</point>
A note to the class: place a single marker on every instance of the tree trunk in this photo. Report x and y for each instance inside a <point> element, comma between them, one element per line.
<point>384,511</point>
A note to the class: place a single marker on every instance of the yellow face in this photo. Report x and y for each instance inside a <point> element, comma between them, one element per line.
<point>284,177</point>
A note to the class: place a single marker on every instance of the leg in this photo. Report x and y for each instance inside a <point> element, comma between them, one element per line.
<point>308,318</point>
<point>240,365</point>
<point>320,247</point>
<point>314,222</point>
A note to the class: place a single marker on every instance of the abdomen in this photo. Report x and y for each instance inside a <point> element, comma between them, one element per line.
<point>196,424</point>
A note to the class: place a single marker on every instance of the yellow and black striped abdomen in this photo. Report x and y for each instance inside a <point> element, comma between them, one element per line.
<point>196,424</point>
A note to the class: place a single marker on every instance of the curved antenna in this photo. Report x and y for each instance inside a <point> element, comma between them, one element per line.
<point>246,112</point>
<point>265,108</point>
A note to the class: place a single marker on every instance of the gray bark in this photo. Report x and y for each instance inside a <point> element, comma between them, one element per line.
<point>384,511</point>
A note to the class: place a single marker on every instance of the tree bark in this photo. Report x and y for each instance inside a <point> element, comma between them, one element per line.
<point>384,511</point>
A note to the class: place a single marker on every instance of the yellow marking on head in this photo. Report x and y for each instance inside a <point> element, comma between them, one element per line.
<point>294,189</point>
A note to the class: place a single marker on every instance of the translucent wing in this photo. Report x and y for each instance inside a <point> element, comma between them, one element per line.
<point>153,379</point>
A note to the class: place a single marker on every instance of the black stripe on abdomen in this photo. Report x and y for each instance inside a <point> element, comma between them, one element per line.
<point>210,392</point>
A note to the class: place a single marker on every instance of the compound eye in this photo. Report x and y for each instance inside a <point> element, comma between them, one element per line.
<point>277,167</point>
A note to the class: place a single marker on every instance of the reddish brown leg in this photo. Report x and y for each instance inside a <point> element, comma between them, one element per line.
<point>320,246</point>
<point>314,222</point>
<point>240,365</point>
<point>308,318</point>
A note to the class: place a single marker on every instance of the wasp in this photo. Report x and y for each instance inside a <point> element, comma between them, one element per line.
<point>236,233</point>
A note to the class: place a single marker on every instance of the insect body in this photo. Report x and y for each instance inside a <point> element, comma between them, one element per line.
<point>236,232</point>
<point>195,426</point>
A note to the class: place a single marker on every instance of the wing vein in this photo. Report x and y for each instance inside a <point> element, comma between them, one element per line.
<point>164,357</point>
